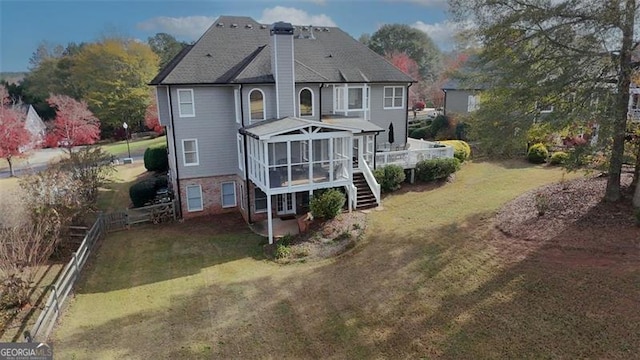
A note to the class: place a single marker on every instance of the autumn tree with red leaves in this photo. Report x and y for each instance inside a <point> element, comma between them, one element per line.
<point>13,135</point>
<point>151,117</point>
<point>75,124</point>
<point>408,66</point>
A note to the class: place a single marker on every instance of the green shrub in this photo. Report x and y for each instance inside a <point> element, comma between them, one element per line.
<point>142,192</point>
<point>327,204</point>
<point>389,177</point>
<point>430,170</point>
<point>282,251</point>
<point>440,122</point>
<point>538,153</point>
<point>461,150</point>
<point>156,158</point>
<point>559,158</point>
<point>420,133</point>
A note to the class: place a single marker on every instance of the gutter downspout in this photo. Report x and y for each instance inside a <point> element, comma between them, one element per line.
<point>444,107</point>
<point>175,152</point>
<point>320,102</point>
<point>246,161</point>
<point>406,118</point>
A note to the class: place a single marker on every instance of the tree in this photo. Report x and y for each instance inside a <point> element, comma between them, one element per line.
<point>13,134</point>
<point>151,119</point>
<point>401,38</point>
<point>112,76</point>
<point>165,46</point>
<point>75,124</point>
<point>566,53</point>
<point>408,66</point>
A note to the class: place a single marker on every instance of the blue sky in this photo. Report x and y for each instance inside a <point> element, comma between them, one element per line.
<point>24,24</point>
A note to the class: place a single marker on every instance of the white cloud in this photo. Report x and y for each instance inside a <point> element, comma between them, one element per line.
<point>441,33</point>
<point>427,3</point>
<point>189,27</point>
<point>294,16</point>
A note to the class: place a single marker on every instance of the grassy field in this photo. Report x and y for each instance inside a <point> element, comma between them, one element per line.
<point>426,282</point>
<point>138,147</point>
<point>115,194</point>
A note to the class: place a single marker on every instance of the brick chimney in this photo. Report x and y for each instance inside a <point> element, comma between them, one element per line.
<point>282,66</point>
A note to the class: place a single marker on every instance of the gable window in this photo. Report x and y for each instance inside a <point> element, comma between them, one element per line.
<point>306,102</point>
<point>256,104</point>
<point>260,200</point>
<point>186,106</point>
<point>393,97</point>
<point>356,99</point>
<point>228,194</point>
<point>190,152</point>
<point>194,198</point>
<point>473,103</point>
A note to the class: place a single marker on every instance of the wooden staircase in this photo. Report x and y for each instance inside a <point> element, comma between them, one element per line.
<point>366,199</point>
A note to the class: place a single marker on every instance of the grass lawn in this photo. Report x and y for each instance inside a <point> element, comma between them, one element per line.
<point>138,147</point>
<point>115,194</point>
<point>426,282</point>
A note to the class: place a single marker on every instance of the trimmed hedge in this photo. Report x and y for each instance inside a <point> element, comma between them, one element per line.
<point>142,192</point>
<point>436,169</point>
<point>328,204</point>
<point>420,133</point>
<point>462,150</point>
<point>538,153</point>
<point>156,158</point>
<point>559,158</point>
<point>389,177</point>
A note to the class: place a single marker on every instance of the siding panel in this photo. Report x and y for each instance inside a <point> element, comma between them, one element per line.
<point>162,99</point>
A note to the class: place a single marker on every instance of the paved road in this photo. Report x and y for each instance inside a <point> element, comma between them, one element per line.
<point>38,161</point>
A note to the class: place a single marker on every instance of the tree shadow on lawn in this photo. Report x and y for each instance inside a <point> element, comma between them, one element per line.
<point>152,253</point>
<point>514,163</point>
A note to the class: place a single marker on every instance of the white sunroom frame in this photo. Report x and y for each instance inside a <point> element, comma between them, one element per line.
<point>259,164</point>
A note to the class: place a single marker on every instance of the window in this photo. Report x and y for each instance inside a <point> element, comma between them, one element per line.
<point>194,198</point>
<point>393,97</point>
<point>256,104</point>
<point>473,103</point>
<point>339,97</point>
<point>236,99</point>
<point>190,152</point>
<point>185,103</point>
<point>306,102</point>
<point>228,194</point>
<point>260,200</point>
<point>356,99</point>
<point>240,152</point>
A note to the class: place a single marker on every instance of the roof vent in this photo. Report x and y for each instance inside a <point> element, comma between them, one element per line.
<point>304,28</point>
<point>263,26</point>
<point>325,29</point>
<point>318,29</point>
<point>220,24</point>
<point>249,26</point>
<point>209,55</point>
<point>282,28</point>
<point>234,25</point>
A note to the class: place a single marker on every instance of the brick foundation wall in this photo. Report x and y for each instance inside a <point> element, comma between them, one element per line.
<point>211,195</point>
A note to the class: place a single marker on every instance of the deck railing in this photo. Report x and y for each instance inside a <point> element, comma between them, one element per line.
<point>418,150</point>
<point>371,180</point>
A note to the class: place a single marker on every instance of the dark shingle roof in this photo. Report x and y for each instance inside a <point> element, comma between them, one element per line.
<point>241,54</point>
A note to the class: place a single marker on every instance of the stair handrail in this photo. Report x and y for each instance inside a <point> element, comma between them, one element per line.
<point>371,180</point>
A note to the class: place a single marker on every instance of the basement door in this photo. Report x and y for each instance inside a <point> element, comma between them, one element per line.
<point>285,204</point>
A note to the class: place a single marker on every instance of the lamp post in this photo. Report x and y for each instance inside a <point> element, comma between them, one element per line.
<point>126,132</point>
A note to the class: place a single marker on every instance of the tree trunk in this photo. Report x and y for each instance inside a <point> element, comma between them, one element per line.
<point>11,173</point>
<point>622,102</point>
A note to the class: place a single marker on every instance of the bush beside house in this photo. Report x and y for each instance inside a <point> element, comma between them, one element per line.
<point>538,153</point>
<point>327,204</point>
<point>559,158</point>
<point>389,177</point>
<point>436,169</point>
<point>156,158</point>
<point>462,150</point>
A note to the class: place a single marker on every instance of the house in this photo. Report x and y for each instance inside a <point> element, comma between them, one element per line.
<point>634,103</point>
<point>260,116</point>
<point>459,98</point>
<point>36,127</point>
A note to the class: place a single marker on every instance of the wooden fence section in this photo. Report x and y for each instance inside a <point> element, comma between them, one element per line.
<point>71,272</point>
<point>62,288</point>
<point>155,214</point>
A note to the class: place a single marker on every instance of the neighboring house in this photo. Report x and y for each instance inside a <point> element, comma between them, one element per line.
<point>36,127</point>
<point>260,116</point>
<point>634,103</point>
<point>460,99</point>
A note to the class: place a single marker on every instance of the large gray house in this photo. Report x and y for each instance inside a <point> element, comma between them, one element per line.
<point>259,116</point>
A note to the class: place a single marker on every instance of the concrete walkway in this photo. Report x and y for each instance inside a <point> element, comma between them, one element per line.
<point>280,227</point>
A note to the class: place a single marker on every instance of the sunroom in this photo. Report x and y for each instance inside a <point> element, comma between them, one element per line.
<point>292,155</point>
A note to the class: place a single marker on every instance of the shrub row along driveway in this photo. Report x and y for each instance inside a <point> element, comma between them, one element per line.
<point>425,282</point>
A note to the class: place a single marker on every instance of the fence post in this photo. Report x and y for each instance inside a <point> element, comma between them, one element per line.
<point>75,261</point>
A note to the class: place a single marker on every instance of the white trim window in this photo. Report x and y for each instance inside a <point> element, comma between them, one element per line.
<point>305,102</point>
<point>194,198</point>
<point>338,97</point>
<point>350,98</point>
<point>228,194</point>
<point>259,200</point>
<point>186,104</point>
<point>190,152</point>
<point>356,100</point>
<point>393,97</point>
<point>257,109</point>
<point>473,103</point>
<point>240,152</point>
